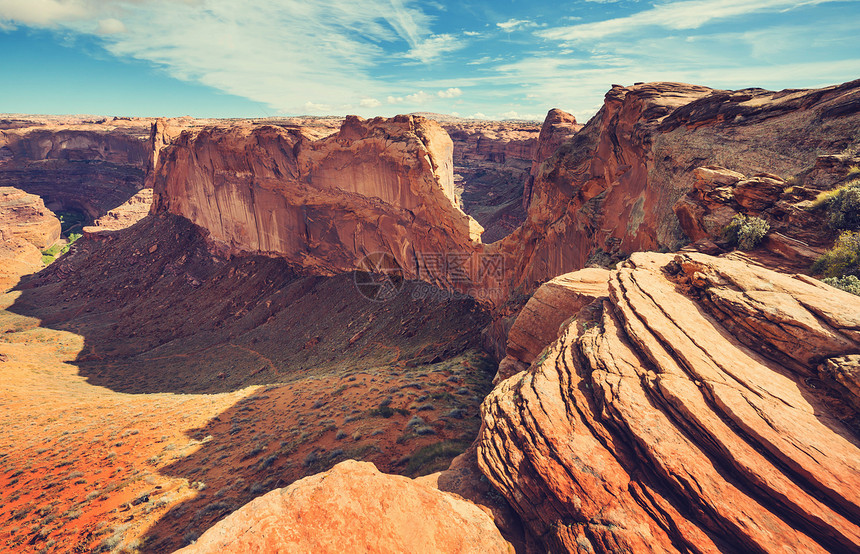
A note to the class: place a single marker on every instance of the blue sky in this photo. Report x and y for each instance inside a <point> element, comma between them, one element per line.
<point>486,59</point>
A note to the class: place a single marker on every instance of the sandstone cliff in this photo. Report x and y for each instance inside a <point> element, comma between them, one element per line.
<point>375,186</point>
<point>74,164</point>
<point>701,406</point>
<point>26,228</point>
<point>610,190</point>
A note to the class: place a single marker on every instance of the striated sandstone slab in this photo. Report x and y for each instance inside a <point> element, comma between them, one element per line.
<point>677,415</point>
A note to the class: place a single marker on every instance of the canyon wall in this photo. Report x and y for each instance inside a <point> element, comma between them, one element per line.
<point>376,186</point>
<point>88,166</point>
<point>492,161</point>
<point>610,189</point>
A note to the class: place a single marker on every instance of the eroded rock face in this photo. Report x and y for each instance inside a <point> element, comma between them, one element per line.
<point>558,127</point>
<point>84,166</point>
<point>700,406</point>
<point>376,186</point>
<point>26,228</point>
<point>354,508</point>
<point>541,320</point>
<point>611,188</point>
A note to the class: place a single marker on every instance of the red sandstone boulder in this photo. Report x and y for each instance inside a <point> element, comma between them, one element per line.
<point>541,320</point>
<point>354,508</point>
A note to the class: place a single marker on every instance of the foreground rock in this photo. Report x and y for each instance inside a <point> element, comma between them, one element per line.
<point>701,406</point>
<point>541,320</point>
<point>354,508</point>
<point>26,228</point>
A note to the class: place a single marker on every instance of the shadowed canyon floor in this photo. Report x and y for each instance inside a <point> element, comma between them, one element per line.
<point>137,450</point>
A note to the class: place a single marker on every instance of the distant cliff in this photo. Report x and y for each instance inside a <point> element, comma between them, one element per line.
<point>376,186</point>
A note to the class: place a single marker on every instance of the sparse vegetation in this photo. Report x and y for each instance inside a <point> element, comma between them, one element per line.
<point>842,260</point>
<point>848,283</point>
<point>746,232</point>
<point>842,205</point>
<point>434,457</point>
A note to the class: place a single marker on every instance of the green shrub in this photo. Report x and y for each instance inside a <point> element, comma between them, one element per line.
<point>746,232</point>
<point>848,283</point>
<point>843,206</point>
<point>841,260</point>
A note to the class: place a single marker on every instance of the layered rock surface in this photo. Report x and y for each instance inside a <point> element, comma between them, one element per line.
<point>542,319</point>
<point>610,190</point>
<point>700,407</point>
<point>354,508</point>
<point>26,228</point>
<point>375,186</point>
<point>88,166</point>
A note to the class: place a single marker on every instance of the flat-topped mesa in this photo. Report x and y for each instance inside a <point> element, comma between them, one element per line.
<point>379,185</point>
<point>609,189</point>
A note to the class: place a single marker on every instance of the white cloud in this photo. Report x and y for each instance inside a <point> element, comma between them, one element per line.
<point>41,12</point>
<point>472,33</point>
<point>452,92</point>
<point>110,26</point>
<point>432,48</point>
<point>369,103</point>
<point>515,24</point>
<point>292,55</point>
<point>477,115</point>
<point>687,14</point>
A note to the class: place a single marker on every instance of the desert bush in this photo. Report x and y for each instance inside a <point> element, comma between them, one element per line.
<point>848,283</point>
<point>746,232</point>
<point>841,260</point>
<point>843,207</point>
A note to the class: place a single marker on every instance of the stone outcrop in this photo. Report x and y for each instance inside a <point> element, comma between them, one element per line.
<point>611,188</point>
<point>558,127</point>
<point>354,508</point>
<point>797,233</point>
<point>701,406</point>
<point>26,228</point>
<point>380,185</point>
<point>542,319</point>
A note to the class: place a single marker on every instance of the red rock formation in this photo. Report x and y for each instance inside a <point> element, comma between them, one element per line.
<point>85,166</point>
<point>125,215</point>
<point>542,319</point>
<point>376,186</point>
<point>26,228</point>
<point>354,508</point>
<point>612,187</point>
<point>558,127</point>
<point>699,407</point>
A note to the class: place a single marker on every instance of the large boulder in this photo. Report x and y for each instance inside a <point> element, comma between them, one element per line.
<point>704,406</point>
<point>540,321</point>
<point>354,508</point>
